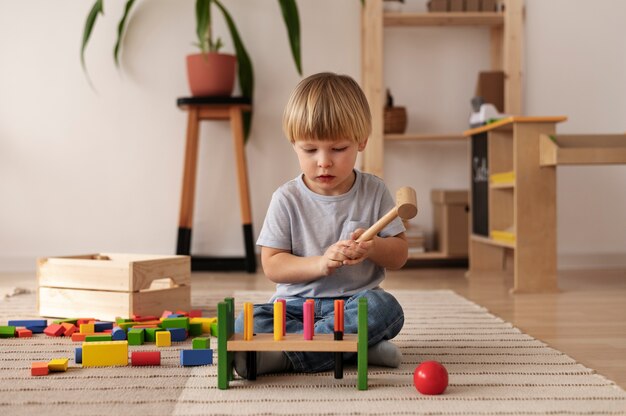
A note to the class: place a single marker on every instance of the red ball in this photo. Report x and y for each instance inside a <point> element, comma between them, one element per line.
<point>430,377</point>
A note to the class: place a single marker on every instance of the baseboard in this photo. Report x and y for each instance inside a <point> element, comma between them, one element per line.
<point>591,261</point>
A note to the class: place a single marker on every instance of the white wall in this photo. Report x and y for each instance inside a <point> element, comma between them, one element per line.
<point>87,171</point>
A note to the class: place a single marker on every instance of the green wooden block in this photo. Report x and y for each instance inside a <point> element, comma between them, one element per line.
<point>222,353</point>
<point>136,336</point>
<point>65,321</point>
<point>182,322</point>
<point>97,338</point>
<point>195,329</point>
<point>122,320</point>
<point>127,325</point>
<point>214,328</point>
<point>362,345</point>
<point>7,331</point>
<point>150,334</point>
<point>202,343</point>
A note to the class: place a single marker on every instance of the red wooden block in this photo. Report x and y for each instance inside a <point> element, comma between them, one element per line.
<point>54,330</point>
<point>85,321</point>
<point>24,333</point>
<point>195,313</point>
<point>68,329</point>
<point>145,358</point>
<point>78,337</point>
<point>145,326</point>
<point>107,331</point>
<point>138,318</point>
<point>39,369</point>
<point>184,313</point>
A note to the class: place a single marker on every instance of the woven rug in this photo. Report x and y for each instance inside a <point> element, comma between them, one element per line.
<point>494,369</point>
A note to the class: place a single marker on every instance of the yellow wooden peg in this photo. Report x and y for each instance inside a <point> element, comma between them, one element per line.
<point>248,321</point>
<point>278,321</point>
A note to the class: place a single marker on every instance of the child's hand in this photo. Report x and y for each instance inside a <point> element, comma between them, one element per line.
<point>336,256</point>
<point>357,252</point>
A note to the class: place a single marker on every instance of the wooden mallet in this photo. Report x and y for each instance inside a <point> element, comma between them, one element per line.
<point>406,208</point>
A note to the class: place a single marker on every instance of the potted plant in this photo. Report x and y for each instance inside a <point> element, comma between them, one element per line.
<point>210,45</point>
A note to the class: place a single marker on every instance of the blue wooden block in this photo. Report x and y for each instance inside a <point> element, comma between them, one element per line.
<point>196,357</point>
<point>37,329</point>
<point>101,326</point>
<point>78,355</point>
<point>178,334</point>
<point>175,315</point>
<point>118,334</point>
<point>28,322</point>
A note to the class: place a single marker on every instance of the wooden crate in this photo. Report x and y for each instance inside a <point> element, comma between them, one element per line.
<point>105,286</point>
<point>450,220</point>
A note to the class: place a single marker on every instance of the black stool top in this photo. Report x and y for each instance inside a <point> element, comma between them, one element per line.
<point>212,100</point>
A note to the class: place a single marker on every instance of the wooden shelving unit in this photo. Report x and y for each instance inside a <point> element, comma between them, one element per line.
<point>525,208</point>
<point>506,30</point>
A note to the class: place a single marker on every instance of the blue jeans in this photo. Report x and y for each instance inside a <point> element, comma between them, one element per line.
<point>385,319</point>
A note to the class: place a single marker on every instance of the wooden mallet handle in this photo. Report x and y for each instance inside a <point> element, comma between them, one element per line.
<point>406,208</point>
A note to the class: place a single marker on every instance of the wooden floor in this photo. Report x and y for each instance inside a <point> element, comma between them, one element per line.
<point>586,320</point>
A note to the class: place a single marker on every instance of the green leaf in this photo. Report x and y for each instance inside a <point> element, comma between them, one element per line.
<point>120,31</point>
<point>203,23</point>
<point>244,66</point>
<point>89,23</point>
<point>292,23</point>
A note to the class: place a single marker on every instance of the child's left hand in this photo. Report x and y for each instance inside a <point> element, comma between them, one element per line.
<point>357,252</point>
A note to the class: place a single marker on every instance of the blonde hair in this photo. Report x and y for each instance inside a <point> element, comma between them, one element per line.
<point>327,106</point>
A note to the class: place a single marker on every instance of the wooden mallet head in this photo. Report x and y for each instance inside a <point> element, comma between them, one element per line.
<point>406,208</point>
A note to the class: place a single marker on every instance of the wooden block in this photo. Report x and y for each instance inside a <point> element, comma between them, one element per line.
<point>164,339</point>
<point>27,322</point>
<point>78,337</point>
<point>81,321</point>
<point>105,354</point>
<point>150,334</point>
<point>58,364</point>
<point>39,368</point>
<point>118,334</point>
<point>177,322</point>
<point>54,330</point>
<point>7,331</point>
<point>203,343</point>
<point>196,357</point>
<point>136,336</point>
<point>24,333</point>
<point>101,326</point>
<point>68,328</point>
<point>195,313</point>
<point>98,337</point>
<point>87,328</point>
<point>142,358</point>
<point>78,355</point>
<point>206,323</point>
<point>214,329</point>
<point>110,285</point>
<point>195,329</point>
<point>37,329</point>
<point>178,334</point>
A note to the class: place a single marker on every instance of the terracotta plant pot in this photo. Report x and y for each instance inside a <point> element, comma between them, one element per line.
<point>211,74</point>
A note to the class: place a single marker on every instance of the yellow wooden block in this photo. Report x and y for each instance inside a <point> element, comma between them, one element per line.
<point>87,329</point>
<point>58,364</point>
<point>105,353</point>
<point>206,323</point>
<point>163,339</point>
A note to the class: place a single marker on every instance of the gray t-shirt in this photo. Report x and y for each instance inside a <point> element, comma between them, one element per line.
<point>306,224</point>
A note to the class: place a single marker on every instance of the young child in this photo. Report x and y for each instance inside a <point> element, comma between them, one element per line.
<point>308,240</point>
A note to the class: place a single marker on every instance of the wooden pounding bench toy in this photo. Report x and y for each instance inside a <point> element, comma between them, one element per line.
<point>228,341</point>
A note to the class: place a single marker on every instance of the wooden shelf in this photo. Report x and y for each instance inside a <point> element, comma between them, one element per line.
<point>502,185</point>
<point>433,255</point>
<point>600,149</point>
<point>444,19</point>
<point>426,137</point>
<point>491,241</point>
